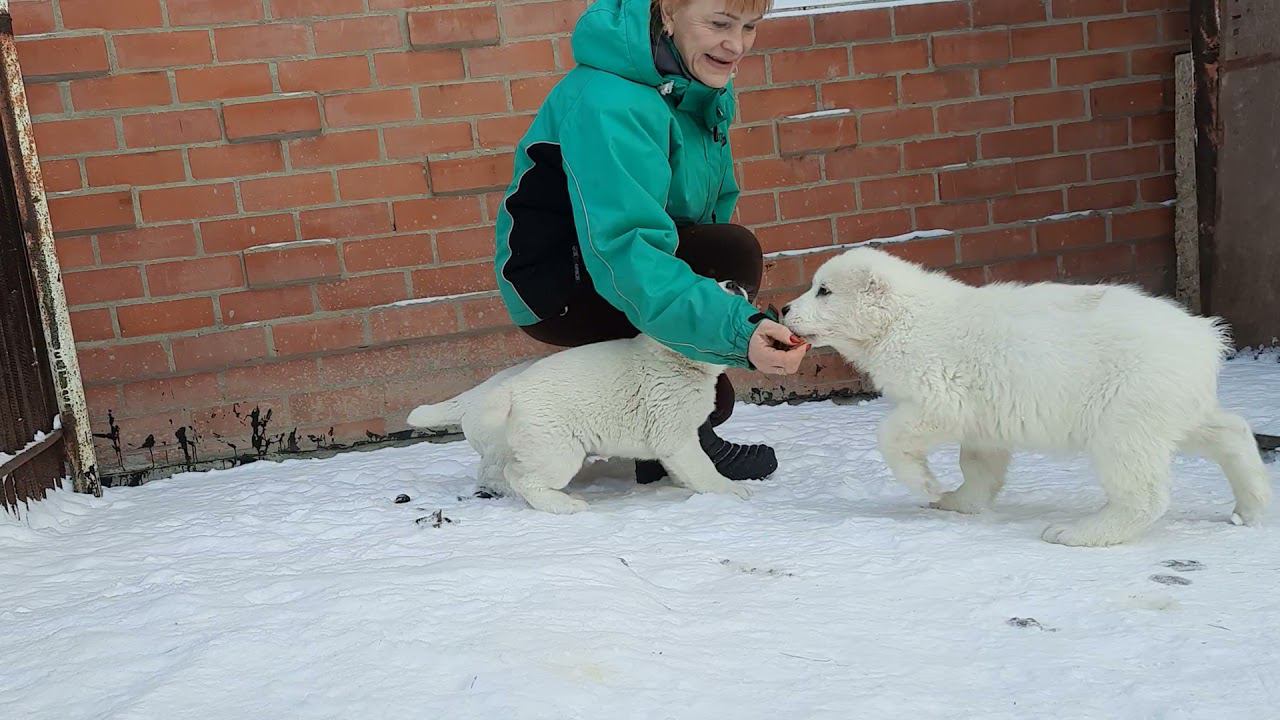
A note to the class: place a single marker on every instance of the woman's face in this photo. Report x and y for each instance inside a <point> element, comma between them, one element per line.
<point>711,39</point>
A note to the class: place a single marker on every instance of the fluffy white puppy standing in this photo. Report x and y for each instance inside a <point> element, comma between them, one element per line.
<point>534,425</point>
<point>1108,370</point>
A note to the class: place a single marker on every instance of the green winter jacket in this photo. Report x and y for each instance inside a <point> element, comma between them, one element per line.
<point>616,158</point>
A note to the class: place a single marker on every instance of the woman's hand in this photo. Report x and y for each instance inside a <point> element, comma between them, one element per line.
<point>775,350</point>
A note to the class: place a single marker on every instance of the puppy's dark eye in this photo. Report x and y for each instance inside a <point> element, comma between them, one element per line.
<point>822,290</point>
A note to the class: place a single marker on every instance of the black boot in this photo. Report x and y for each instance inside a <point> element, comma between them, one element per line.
<point>736,462</point>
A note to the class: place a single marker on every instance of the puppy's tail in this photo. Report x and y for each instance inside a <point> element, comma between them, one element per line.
<point>449,413</point>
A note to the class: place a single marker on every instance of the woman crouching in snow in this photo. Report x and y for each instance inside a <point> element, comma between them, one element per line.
<point>615,220</point>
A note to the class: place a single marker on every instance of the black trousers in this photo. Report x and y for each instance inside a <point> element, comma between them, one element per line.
<point>720,252</point>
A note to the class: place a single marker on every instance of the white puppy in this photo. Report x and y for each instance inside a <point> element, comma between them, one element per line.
<point>1107,370</point>
<point>534,425</point>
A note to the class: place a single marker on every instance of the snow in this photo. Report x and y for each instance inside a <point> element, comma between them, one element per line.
<point>791,8</point>
<point>1066,215</point>
<point>290,244</point>
<point>299,590</point>
<point>434,299</point>
<point>820,113</point>
<point>39,438</point>
<point>905,237</point>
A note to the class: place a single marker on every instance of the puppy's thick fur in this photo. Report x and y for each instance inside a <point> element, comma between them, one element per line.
<point>1108,370</point>
<point>534,425</point>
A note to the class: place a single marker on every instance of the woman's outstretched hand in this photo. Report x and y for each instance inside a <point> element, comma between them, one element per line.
<point>775,350</point>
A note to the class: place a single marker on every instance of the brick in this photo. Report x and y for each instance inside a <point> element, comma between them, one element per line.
<point>1083,8</point>
<point>480,98</point>
<point>242,232</point>
<point>1102,196</point>
<point>795,235</point>
<point>1130,99</point>
<point>978,48</point>
<point>453,279</point>
<point>1007,12</point>
<point>1046,107</point>
<point>976,182</point>
<point>268,304</point>
<point>134,90</point>
<point>74,252</point>
<point>1149,128</point>
<point>60,175</point>
<point>821,133</point>
<point>789,32</point>
<point>1121,163</point>
<point>413,321</point>
<point>894,124</point>
<point>753,141</point>
<point>97,211</point>
<point>222,82</point>
<point>195,275</point>
<point>469,175</point>
<point>545,18</point>
<point>285,117</point>
<point>854,25</point>
<point>325,75</point>
<point>773,103</point>
<point>1027,206</point>
<point>460,245</point>
<point>1094,68</point>
<point>182,127</point>
<point>1016,77</point>
<point>938,85</point>
<point>369,108</point>
<point>1154,61</point>
<point>1093,134</point>
<point>318,8</point>
<point>500,132</point>
<point>415,141</point>
<point>466,27</point>
<point>382,181</point>
<point>952,216</point>
<point>219,350</point>
<point>818,64</point>
<point>1052,171</point>
<point>393,252</point>
<point>858,162</point>
<point>92,325</point>
<point>1176,27</point>
<point>419,67</point>
<point>436,213</point>
<point>934,252</point>
<point>212,12</point>
<point>861,94</point>
<point>122,362</point>
<point>1125,32</point>
<point>224,161</point>
<point>137,169</point>
<point>186,203</point>
<point>163,318</point>
<point>526,58</point>
<point>931,18</point>
<point>294,263</point>
<point>260,42</point>
<point>1022,142</point>
<point>44,100</point>
<point>1157,189</point>
<point>1027,270</point>
<point>362,292</point>
<point>162,50</point>
<point>343,148</point>
<point>1073,233</point>
<point>975,115</point>
<point>818,201</point>
<point>46,58</point>
<point>346,221</point>
<point>983,247</point>
<point>73,137</point>
<point>1099,262</point>
<point>891,57</point>
<point>146,244</point>
<point>896,192</point>
<point>358,34</point>
<point>290,191</point>
<point>871,226</point>
<point>757,209</point>
<point>102,285</point>
<point>529,93</point>
<point>1048,40</point>
<point>318,336</point>
<point>780,172</point>
<point>940,152</point>
<point>118,15</point>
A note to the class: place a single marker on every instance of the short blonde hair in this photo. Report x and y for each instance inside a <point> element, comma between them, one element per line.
<point>742,7</point>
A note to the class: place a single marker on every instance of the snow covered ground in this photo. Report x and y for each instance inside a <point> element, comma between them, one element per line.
<point>299,590</point>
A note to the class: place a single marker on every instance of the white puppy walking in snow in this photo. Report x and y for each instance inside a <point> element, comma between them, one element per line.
<point>535,424</point>
<point>1108,370</point>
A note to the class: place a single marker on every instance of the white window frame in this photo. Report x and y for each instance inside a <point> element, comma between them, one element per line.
<point>790,8</point>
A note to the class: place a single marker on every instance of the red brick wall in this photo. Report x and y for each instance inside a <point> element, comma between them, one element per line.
<point>182,140</point>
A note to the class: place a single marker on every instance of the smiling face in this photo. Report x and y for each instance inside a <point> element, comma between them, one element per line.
<point>712,35</point>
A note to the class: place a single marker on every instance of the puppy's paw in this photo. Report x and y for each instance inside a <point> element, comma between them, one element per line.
<point>1077,535</point>
<point>956,501</point>
<point>555,502</point>
<point>740,490</point>
<point>1248,514</point>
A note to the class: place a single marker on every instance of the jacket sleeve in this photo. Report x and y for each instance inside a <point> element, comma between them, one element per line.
<point>619,175</point>
<point>729,192</point>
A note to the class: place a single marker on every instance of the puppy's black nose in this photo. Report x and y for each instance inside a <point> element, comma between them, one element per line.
<point>785,309</point>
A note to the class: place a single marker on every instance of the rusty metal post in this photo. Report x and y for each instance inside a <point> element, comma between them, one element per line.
<point>33,209</point>
<point>1205,50</point>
